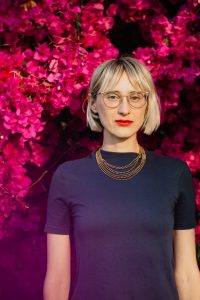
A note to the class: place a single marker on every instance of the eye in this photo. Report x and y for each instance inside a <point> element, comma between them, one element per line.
<point>136,97</point>
<point>112,96</point>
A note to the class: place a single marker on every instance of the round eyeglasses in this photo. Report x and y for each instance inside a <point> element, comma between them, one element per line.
<point>113,99</point>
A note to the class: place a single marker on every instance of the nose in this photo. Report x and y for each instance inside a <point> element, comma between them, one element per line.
<point>124,107</point>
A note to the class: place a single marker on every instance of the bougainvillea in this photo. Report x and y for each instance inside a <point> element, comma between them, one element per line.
<point>49,54</point>
<point>174,61</point>
<point>49,49</point>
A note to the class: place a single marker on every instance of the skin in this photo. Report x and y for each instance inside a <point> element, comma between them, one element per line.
<point>117,138</point>
<point>187,273</point>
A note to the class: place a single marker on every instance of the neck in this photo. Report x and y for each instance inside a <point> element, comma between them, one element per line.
<point>116,144</point>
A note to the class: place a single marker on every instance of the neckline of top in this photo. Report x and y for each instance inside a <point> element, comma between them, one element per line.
<point>113,154</point>
<point>117,152</point>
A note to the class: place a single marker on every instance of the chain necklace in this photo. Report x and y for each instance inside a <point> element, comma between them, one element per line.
<point>110,170</point>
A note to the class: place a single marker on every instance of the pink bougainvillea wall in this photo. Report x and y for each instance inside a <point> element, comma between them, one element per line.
<point>49,49</point>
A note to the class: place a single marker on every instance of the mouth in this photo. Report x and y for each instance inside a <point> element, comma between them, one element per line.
<point>124,122</point>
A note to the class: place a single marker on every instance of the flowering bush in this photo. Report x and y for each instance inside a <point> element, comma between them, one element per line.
<point>49,54</point>
<point>49,50</point>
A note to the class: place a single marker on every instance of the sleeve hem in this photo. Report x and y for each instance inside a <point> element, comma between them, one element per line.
<point>56,230</point>
<point>184,227</point>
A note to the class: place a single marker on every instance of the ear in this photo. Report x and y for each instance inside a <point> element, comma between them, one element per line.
<point>93,104</point>
<point>93,108</point>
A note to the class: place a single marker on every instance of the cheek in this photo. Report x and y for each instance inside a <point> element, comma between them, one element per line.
<point>105,115</point>
<point>141,113</point>
<point>139,117</point>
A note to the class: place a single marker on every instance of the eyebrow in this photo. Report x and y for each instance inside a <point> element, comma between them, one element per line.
<point>120,92</point>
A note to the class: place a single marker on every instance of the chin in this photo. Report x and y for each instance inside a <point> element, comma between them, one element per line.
<point>123,134</point>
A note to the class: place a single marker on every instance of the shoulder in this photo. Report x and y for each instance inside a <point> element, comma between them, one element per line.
<point>166,162</point>
<point>75,165</point>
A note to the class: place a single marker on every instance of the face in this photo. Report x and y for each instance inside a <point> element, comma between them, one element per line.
<point>112,131</point>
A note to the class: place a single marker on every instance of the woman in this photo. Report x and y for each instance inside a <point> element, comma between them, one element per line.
<point>130,212</point>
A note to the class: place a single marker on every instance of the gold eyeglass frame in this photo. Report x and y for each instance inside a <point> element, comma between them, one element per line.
<point>145,94</point>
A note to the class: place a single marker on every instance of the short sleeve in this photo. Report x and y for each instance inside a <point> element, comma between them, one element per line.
<point>58,212</point>
<point>185,207</point>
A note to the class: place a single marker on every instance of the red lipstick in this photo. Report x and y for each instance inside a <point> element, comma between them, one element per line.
<point>124,122</point>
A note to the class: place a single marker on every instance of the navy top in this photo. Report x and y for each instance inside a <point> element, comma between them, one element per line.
<point>122,229</point>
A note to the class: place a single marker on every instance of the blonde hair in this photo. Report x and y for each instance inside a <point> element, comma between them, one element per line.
<point>107,75</point>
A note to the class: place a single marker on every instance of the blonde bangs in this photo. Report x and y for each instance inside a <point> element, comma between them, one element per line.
<point>137,76</point>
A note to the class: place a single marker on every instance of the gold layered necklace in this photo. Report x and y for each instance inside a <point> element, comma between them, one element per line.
<point>135,166</point>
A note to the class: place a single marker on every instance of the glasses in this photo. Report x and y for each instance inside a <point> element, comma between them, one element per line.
<point>135,99</point>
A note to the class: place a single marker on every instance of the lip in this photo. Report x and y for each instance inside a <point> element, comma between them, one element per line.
<point>124,122</point>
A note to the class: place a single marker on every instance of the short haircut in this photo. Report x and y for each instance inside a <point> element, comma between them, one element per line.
<point>108,73</point>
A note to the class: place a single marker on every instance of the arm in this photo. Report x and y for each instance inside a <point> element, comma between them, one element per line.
<point>57,280</point>
<point>187,273</point>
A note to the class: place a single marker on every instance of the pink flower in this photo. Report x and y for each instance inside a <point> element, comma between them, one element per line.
<point>193,160</point>
<point>132,11</point>
<point>112,10</point>
<point>25,120</point>
<point>42,53</point>
<point>16,152</point>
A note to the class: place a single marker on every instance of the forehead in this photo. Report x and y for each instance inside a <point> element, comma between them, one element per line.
<point>119,81</point>
<point>124,84</point>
